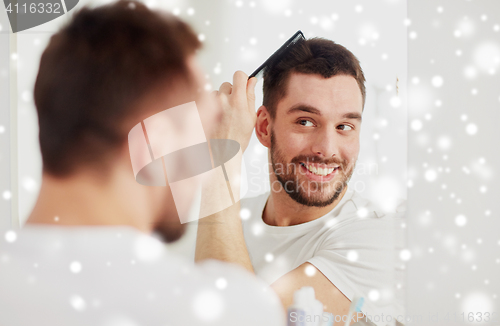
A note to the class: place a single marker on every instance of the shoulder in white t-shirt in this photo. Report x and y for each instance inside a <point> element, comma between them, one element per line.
<point>114,276</point>
<point>354,245</point>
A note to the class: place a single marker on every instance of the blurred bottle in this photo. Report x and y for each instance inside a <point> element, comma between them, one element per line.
<point>306,310</point>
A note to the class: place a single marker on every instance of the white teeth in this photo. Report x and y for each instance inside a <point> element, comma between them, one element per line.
<point>319,171</point>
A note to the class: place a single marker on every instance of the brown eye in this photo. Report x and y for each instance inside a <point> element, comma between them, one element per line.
<point>305,122</point>
<point>344,127</point>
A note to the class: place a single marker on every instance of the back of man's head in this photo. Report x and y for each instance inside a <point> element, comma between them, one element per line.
<point>313,56</point>
<point>93,74</point>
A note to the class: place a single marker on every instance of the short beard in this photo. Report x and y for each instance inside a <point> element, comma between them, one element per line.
<point>167,224</point>
<point>169,230</point>
<point>291,178</point>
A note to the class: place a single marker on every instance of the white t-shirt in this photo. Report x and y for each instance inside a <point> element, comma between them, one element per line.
<point>354,246</point>
<point>117,276</point>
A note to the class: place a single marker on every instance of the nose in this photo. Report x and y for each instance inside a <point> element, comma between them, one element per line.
<point>326,142</point>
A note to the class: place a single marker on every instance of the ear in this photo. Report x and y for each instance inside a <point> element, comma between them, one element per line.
<point>263,126</point>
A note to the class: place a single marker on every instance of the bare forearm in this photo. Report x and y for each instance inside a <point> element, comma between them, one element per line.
<point>220,236</point>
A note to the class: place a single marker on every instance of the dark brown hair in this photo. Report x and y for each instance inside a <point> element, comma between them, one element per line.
<point>313,56</point>
<point>93,73</point>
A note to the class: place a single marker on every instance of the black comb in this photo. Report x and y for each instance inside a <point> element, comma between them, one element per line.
<point>278,54</point>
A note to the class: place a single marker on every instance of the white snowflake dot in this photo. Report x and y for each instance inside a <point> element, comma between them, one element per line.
<point>147,248</point>
<point>221,283</point>
<point>75,267</point>
<point>6,195</point>
<point>374,295</point>
<point>310,270</point>
<point>29,184</point>
<point>430,175</point>
<point>470,72</point>
<point>416,125</point>
<point>437,81</point>
<point>78,303</point>
<point>471,129</point>
<point>257,229</point>
<point>362,212</point>
<point>352,255</point>
<point>26,96</point>
<point>405,255</point>
<point>245,214</point>
<point>10,236</point>
<point>460,220</point>
<point>395,101</point>
<point>444,142</point>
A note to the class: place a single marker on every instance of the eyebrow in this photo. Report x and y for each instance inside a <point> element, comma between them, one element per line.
<point>313,110</point>
<point>352,115</point>
<point>304,108</point>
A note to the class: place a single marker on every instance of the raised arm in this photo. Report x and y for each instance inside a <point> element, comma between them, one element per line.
<point>220,236</point>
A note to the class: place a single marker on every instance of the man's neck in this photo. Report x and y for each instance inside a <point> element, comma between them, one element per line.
<point>84,200</point>
<point>282,210</point>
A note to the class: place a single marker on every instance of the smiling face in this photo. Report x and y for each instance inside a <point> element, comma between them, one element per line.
<point>314,137</point>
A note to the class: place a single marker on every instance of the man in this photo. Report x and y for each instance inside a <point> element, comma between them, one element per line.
<point>311,229</point>
<point>86,256</point>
